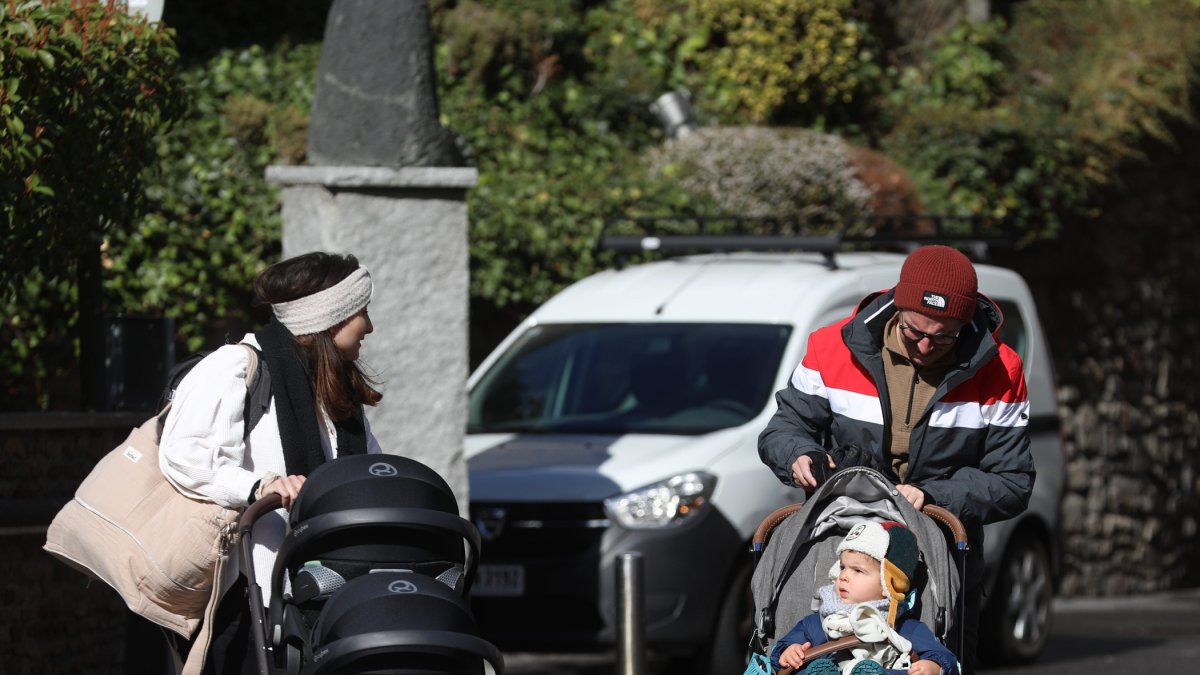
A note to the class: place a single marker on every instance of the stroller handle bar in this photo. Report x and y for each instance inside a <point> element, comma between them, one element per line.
<point>254,511</point>
<point>941,515</point>
<point>245,529</point>
<point>950,522</point>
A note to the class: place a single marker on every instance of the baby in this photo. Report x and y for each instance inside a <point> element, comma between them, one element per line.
<point>876,563</point>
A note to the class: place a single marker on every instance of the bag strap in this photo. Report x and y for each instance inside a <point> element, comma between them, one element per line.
<point>258,388</point>
<point>258,394</point>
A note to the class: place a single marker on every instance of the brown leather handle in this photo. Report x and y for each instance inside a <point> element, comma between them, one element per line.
<point>269,502</point>
<point>848,642</point>
<point>951,522</point>
<point>770,522</point>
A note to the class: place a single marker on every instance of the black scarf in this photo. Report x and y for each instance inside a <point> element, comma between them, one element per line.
<point>295,411</point>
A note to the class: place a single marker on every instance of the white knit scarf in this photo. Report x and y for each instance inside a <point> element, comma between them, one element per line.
<point>325,309</point>
<point>868,621</point>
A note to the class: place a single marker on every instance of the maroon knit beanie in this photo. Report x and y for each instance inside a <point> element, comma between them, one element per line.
<point>939,282</point>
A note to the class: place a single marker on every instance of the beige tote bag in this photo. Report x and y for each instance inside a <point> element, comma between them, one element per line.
<point>129,527</point>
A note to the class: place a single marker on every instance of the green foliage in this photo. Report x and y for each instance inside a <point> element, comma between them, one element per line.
<point>212,221</point>
<point>552,96</point>
<point>1137,78</point>
<point>1032,121</point>
<point>84,88</point>
<point>965,68</point>
<point>995,163</point>
<point>783,58</point>
<point>558,132</point>
<point>549,177</point>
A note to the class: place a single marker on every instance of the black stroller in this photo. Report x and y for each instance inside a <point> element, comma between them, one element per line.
<point>795,547</point>
<point>372,576</point>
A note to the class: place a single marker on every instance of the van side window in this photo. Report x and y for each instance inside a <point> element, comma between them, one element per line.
<point>1013,331</point>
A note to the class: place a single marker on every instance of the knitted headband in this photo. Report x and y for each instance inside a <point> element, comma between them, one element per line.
<point>325,309</point>
<point>895,547</point>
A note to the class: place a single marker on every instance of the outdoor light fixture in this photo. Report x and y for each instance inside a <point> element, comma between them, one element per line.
<point>674,112</point>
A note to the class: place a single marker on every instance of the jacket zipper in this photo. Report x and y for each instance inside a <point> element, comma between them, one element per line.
<point>912,392</point>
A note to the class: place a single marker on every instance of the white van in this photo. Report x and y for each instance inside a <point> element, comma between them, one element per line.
<point>623,415</point>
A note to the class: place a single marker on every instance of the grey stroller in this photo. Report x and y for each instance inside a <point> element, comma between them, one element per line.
<point>795,547</point>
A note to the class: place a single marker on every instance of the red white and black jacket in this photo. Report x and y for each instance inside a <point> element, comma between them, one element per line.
<point>969,451</point>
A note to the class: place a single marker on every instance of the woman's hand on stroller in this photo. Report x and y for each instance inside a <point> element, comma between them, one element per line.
<point>287,487</point>
<point>793,655</point>
<point>807,471</point>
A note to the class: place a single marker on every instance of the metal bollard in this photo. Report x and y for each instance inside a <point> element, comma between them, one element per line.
<point>631,615</point>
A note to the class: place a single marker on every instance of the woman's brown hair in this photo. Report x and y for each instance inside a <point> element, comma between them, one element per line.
<point>338,385</point>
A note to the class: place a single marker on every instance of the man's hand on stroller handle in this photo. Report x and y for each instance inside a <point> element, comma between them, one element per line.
<point>913,494</point>
<point>803,474</point>
<point>793,655</point>
<point>287,487</point>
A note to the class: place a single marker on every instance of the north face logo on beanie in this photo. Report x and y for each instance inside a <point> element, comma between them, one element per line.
<point>931,299</point>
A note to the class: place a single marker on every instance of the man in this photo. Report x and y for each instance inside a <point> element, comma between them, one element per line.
<point>919,379</point>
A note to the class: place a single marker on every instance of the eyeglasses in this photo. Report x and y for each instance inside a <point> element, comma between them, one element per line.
<point>938,339</point>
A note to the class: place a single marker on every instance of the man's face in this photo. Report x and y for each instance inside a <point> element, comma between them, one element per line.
<point>926,339</point>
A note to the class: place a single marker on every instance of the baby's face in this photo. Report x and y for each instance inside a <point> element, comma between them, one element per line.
<point>859,580</point>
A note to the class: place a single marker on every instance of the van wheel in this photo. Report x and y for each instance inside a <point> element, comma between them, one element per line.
<point>1016,624</point>
<point>729,648</point>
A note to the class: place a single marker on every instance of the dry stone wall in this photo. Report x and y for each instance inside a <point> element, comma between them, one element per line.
<point>1118,299</point>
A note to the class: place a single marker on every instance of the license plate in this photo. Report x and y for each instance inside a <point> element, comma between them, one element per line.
<point>499,581</point>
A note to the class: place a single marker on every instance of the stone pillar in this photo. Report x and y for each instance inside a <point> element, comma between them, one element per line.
<point>978,11</point>
<point>409,227</point>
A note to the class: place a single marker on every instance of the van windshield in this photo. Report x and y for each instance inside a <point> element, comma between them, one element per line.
<point>629,378</point>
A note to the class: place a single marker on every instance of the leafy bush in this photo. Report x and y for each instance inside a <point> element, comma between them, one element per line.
<point>966,67</point>
<point>212,221</point>
<point>1137,78</point>
<point>549,178</point>
<point>998,163</point>
<point>1016,123</point>
<point>84,89</point>
<point>766,172</point>
<point>783,56</point>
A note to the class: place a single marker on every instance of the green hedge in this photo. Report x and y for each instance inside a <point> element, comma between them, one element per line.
<point>84,90</point>
<point>212,221</point>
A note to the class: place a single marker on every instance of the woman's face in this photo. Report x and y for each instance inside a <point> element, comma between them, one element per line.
<point>349,335</point>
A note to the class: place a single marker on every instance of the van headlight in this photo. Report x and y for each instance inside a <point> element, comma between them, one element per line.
<point>666,503</point>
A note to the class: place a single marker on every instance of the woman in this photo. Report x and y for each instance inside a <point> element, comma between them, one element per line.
<point>310,350</point>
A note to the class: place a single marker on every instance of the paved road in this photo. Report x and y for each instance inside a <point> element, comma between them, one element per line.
<point>1154,634</point>
<point>1144,635</point>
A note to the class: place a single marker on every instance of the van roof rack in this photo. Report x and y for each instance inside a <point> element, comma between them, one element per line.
<point>674,235</point>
